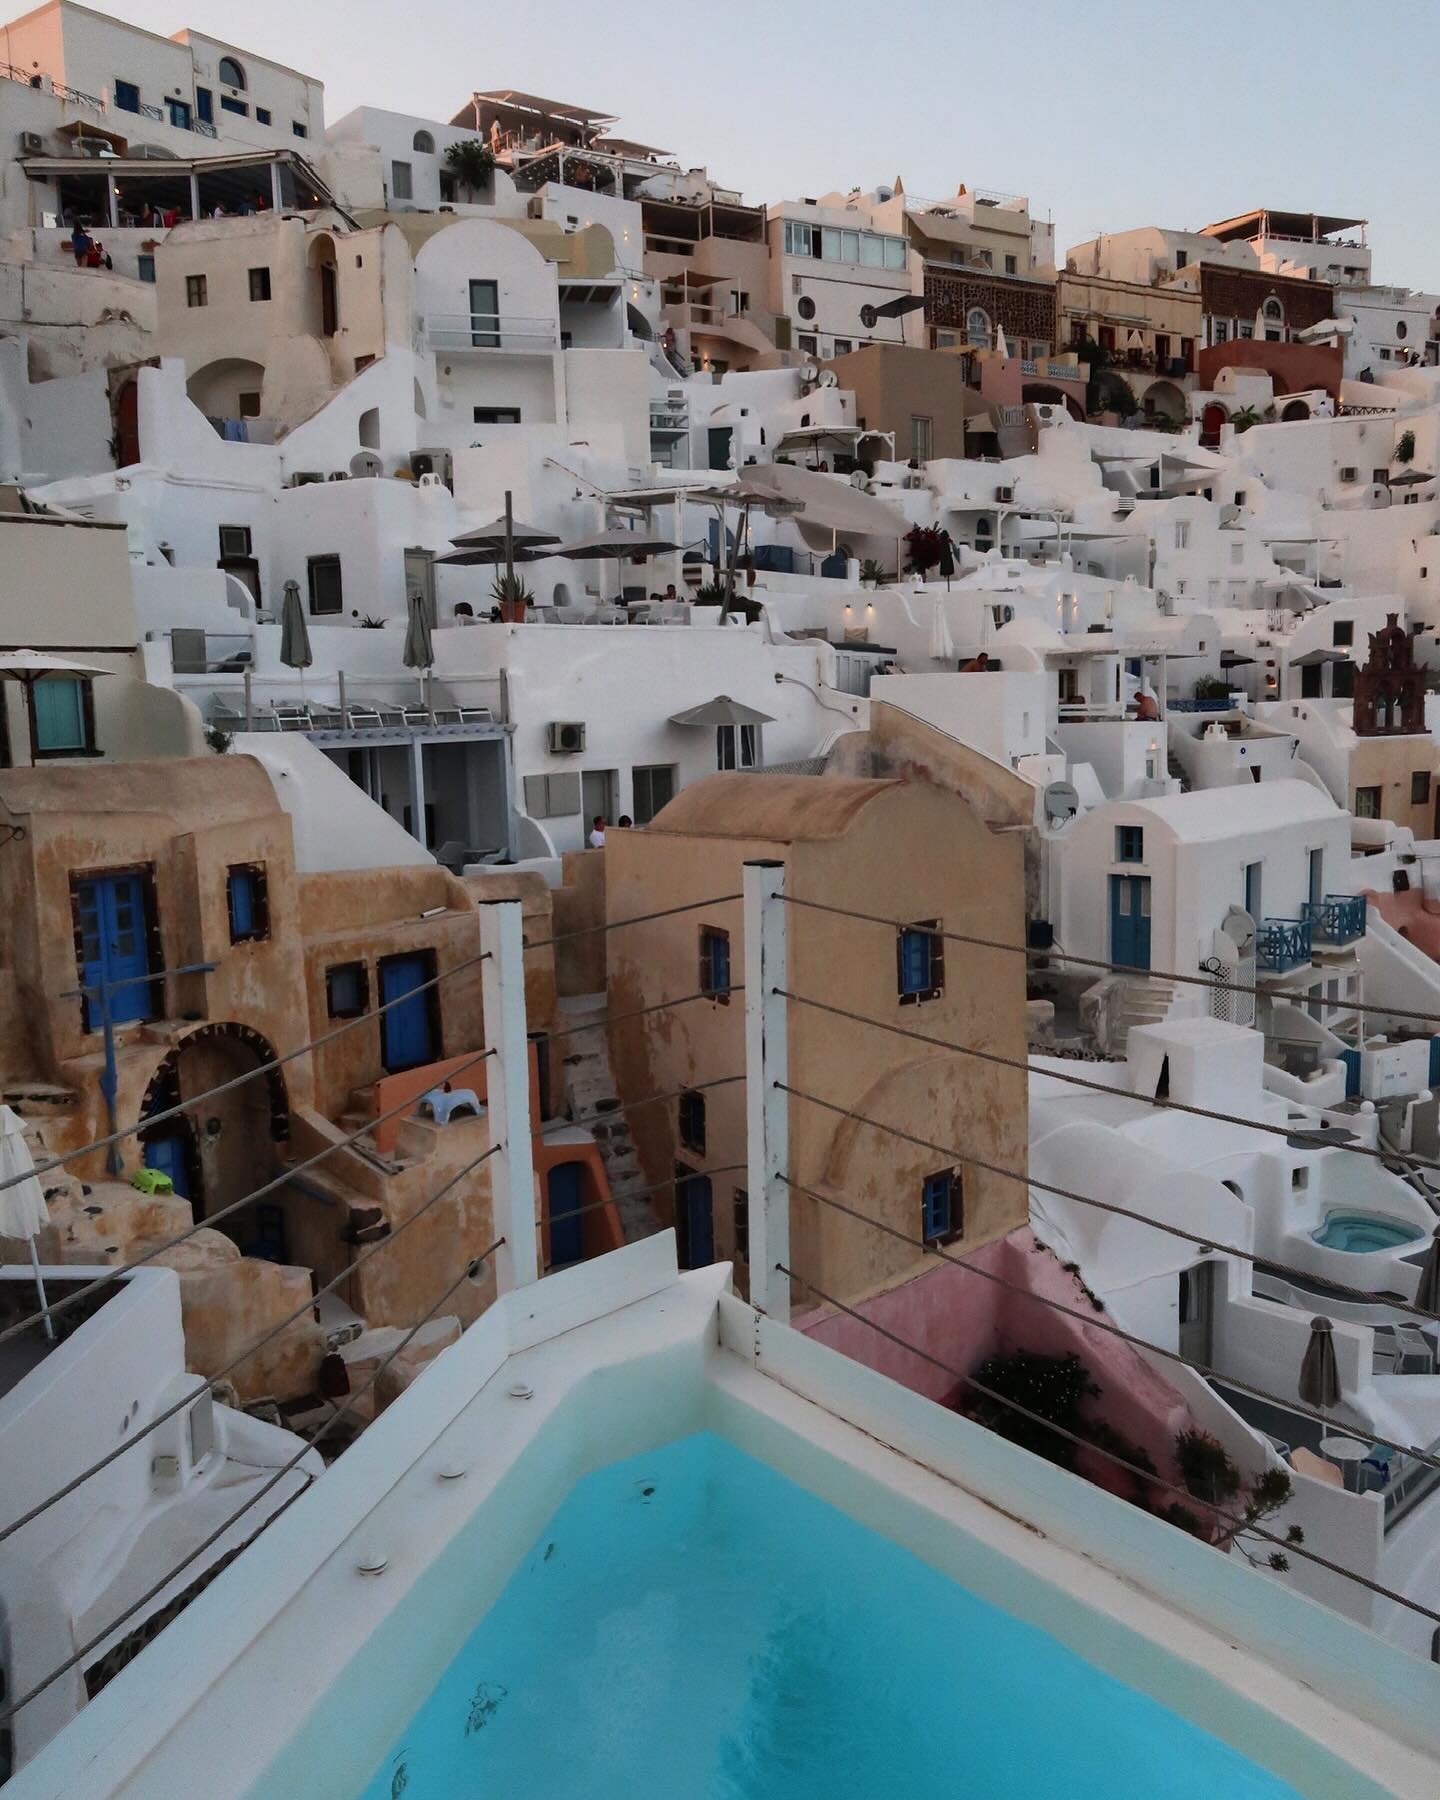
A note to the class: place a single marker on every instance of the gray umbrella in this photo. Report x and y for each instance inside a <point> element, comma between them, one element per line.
<point>295,651</point>
<point>1319,1372</point>
<point>419,652</point>
<point>494,533</point>
<point>1427,1295</point>
<point>616,546</point>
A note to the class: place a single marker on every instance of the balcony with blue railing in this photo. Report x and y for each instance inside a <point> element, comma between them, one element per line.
<point>1282,945</point>
<point>1336,920</point>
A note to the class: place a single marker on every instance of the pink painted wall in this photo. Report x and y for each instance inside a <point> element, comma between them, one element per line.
<point>1406,914</point>
<point>961,1319</point>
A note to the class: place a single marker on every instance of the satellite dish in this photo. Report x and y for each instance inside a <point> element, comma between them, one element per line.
<point>859,479</point>
<point>1239,927</point>
<point>1062,802</point>
<point>828,378</point>
<point>809,374</point>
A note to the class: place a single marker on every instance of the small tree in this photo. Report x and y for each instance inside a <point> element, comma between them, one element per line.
<point>1405,449</point>
<point>472,164</point>
<point>924,544</point>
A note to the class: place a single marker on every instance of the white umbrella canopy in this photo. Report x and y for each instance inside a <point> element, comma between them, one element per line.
<point>30,666</point>
<point>23,1212</point>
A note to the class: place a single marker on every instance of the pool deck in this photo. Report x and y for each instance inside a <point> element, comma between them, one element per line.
<point>295,1671</point>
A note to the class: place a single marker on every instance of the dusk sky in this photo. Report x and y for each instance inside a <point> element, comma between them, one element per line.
<point>1108,117</point>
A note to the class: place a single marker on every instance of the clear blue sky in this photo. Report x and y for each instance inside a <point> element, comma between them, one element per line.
<point>1109,116</point>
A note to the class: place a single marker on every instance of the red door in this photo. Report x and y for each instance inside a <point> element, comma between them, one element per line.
<point>1211,420</point>
<point>127,426</point>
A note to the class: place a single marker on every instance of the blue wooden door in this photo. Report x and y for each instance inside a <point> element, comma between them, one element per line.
<point>406,1039</point>
<point>563,1188</point>
<point>695,1223</point>
<point>111,912</point>
<point>1130,920</point>
<point>167,1154</point>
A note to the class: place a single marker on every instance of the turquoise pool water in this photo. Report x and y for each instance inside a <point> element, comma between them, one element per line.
<point>692,1626</point>
<point>1360,1232</point>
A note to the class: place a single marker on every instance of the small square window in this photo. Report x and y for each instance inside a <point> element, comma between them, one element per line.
<point>1367,803</point>
<point>1129,843</point>
<point>1012,265</point>
<point>262,115</point>
<point>941,1207</point>
<point>347,992</point>
<point>692,1122</point>
<point>260,284</point>
<point>298,130</point>
<point>196,291</point>
<point>920,962</point>
<point>248,903</point>
<point>715,964</point>
<point>1420,788</point>
<point>742,1225</point>
<point>145,266</point>
<point>62,716</point>
<point>326,587</point>
<point>1342,633</point>
<point>228,103</point>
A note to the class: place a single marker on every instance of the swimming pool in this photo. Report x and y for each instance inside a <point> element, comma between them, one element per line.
<point>1362,1232</point>
<point>690,1623</point>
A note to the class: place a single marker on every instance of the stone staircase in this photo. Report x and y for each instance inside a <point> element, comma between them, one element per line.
<point>1147,1000</point>
<point>1177,770</point>
<point>588,1087</point>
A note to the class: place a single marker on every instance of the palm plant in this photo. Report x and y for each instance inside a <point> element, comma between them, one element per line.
<point>1244,418</point>
<point>1405,449</point>
<point>472,164</point>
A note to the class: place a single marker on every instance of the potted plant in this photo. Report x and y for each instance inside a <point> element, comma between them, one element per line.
<point>871,574</point>
<point>1405,449</point>
<point>513,598</point>
<point>473,166</point>
<point>924,542</point>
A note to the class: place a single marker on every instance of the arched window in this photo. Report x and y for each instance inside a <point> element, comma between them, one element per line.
<point>424,143</point>
<point>231,74</point>
<point>977,328</point>
<point>1273,310</point>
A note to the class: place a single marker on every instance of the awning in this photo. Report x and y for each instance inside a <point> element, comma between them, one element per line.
<point>1312,659</point>
<point>897,308</point>
<point>829,505</point>
<point>722,710</point>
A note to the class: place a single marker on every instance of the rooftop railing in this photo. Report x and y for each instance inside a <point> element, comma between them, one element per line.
<point>1337,919</point>
<point>490,331</point>
<point>1282,945</point>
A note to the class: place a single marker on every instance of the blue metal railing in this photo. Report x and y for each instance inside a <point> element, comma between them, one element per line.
<point>1337,919</point>
<point>1282,944</point>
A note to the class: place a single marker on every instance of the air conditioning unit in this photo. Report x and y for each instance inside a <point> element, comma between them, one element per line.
<point>1005,495</point>
<point>565,737</point>
<point>338,475</point>
<point>234,540</point>
<point>31,143</point>
<point>431,462</point>
<point>305,478</point>
<point>1124,505</point>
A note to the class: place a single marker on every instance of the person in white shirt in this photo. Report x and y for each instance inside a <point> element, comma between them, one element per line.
<point>597,832</point>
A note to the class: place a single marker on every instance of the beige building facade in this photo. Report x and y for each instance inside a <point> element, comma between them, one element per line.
<point>1150,334</point>
<point>898,850</point>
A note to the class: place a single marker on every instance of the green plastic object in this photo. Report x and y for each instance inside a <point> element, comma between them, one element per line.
<point>152,1181</point>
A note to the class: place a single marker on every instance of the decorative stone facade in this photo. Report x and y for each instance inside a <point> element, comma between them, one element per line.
<point>1023,310</point>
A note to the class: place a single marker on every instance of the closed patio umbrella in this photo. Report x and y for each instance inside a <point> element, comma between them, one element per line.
<point>295,651</point>
<point>1427,1295</point>
<point>23,1212</point>
<point>419,651</point>
<point>942,645</point>
<point>30,666</point>
<point>1319,1372</point>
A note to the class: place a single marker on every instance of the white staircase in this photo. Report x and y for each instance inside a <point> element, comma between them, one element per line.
<point>1147,1001</point>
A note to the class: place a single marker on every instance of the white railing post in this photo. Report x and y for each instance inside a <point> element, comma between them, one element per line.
<point>767,1107</point>
<point>512,1168</point>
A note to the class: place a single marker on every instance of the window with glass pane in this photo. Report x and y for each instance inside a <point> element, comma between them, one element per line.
<point>850,246</point>
<point>830,243</point>
<point>742,1225</point>
<point>894,253</point>
<point>400,183</point>
<point>60,707</point>
<point>652,788</point>
<point>715,964</point>
<point>246,898</point>
<point>940,1209</point>
<point>126,96</point>
<point>1129,843</point>
<point>920,961</point>
<point>736,746</point>
<point>872,250</point>
<point>1367,803</point>
<point>691,1120</point>
<point>326,593</point>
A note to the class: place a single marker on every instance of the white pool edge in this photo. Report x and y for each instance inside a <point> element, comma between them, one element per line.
<point>217,1699</point>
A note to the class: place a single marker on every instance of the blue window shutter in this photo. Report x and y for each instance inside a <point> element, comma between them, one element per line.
<point>916,961</point>
<point>242,904</point>
<point>59,713</point>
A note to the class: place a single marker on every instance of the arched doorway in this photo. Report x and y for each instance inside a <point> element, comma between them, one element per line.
<point>1164,400</point>
<point>323,308</point>
<point>225,1148</point>
<point>1295,409</point>
<point>1212,421</point>
<point>227,389</point>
